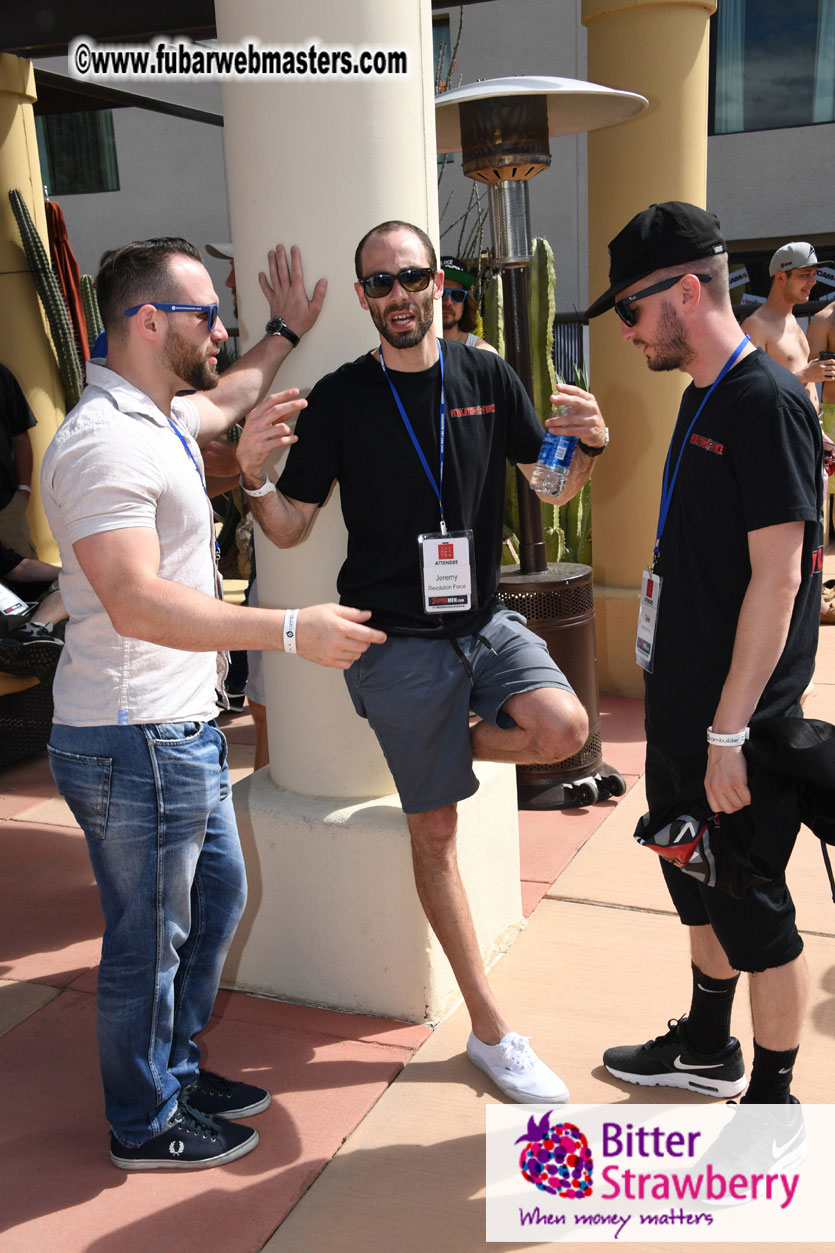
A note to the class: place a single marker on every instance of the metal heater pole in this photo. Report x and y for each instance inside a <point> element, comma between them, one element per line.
<point>510,226</point>
<point>532,556</point>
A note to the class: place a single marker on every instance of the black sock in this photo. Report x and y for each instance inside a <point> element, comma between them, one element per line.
<point>771,1077</point>
<point>708,1026</point>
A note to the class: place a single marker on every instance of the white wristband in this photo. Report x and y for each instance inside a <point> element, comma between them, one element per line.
<point>290,616</point>
<point>263,490</point>
<point>23,487</point>
<point>734,739</point>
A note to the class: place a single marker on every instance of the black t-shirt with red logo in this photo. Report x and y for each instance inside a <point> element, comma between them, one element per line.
<point>753,460</point>
<point>352,432</point>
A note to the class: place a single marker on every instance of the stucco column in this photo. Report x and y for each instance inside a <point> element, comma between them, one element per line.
<point>333,916</point>
<point>660,49</point>
<point>25,346</point>
<point>317,162</point>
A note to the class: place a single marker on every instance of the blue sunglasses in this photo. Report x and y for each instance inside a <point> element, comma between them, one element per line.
<point>209,310</point>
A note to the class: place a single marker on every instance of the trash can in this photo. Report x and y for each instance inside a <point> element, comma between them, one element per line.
<point>558,604</point>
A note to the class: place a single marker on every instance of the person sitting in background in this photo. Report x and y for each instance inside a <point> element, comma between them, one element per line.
<point>30,644</point>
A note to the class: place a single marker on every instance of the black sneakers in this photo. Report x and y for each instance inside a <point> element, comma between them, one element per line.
<point>668,1061</point>
<point>189,1141</point>
<point>212,1094</point>
<point>759,1140</point>
<point>31,649</point>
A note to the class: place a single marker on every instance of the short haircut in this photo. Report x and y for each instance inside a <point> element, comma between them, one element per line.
<point>138,274</point>
<point>717,292</point>
<point>388,228</point>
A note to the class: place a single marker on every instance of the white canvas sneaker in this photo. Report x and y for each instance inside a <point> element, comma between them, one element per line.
<point>517,1071</point>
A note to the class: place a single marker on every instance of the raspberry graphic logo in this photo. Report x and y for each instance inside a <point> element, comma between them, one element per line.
<point>176,1148</point>
<point>556,1158</point>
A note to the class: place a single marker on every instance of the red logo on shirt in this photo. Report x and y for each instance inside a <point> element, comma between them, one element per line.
<point>709,445</point>
<point>472,411</point>
<point>446,552</point>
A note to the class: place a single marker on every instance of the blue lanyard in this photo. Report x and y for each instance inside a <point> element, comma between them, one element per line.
<point>669,485</point>
<point>189,453</point>
<point>182,440</point>
<point>437,490</point>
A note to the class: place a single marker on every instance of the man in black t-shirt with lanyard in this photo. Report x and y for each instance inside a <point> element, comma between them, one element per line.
<point>418,434</point>
<point>727,634</point>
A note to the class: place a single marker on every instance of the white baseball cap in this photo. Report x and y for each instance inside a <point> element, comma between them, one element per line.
<point>225,251</point>
<point>792,256</point>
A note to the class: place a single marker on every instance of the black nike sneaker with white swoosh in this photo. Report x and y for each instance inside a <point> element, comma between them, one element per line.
<point>669,1061</point>
<point>759,1140</point>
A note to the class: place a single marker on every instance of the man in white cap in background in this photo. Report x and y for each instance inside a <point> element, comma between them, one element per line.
<point>774,328</point>
<point>225,252</point>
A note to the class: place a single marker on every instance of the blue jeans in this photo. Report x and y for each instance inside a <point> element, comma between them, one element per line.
<point>155,804</point>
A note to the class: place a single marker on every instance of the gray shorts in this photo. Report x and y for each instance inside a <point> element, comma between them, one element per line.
<point>417,695</point>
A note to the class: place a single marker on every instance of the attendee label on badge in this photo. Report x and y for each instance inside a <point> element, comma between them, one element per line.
<point>647,620</point>
<point>447,571</point>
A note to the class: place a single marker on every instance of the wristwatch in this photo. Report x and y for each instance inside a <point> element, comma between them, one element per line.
<point>594,450</point>
<point>277,326</point>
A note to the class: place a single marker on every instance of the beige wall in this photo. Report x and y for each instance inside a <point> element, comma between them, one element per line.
<point>660,50</point>
<point>25,346</point>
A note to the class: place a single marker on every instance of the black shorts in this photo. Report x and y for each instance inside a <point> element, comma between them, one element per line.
<point>758,932</point>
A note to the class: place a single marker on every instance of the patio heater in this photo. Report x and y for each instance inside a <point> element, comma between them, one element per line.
<point>502,128</point>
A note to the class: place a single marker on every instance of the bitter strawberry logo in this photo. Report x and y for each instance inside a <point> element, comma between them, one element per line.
<point>556,1158</point>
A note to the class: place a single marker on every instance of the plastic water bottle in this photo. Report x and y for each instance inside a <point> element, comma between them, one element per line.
<point>551,469</point>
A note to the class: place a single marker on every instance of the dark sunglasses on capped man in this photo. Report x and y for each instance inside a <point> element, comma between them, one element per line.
<point>629,316</point>
<point>458,294</point>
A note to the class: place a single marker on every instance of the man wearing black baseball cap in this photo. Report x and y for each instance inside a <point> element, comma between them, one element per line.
<point>727,634</point>
<point>459,310</point>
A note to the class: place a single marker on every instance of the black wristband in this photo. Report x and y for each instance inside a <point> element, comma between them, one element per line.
<point>589,450</point>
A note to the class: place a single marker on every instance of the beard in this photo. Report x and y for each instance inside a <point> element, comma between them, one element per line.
<point>421,307</point>
<point>671,349</point>
<point>189,363</point>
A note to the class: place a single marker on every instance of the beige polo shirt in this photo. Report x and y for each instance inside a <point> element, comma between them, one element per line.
<point>116,462</point>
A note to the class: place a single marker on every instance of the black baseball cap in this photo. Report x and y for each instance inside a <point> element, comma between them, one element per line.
<point>660,236</point>
<point>455,270</point>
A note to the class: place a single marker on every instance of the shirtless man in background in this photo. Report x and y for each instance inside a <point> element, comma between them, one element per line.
<point>773,326</point>
<point>821,340</point>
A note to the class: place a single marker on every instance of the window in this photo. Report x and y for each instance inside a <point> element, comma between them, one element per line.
<point>772,64</point>
<point>442,52</point>
<point>77,152</point>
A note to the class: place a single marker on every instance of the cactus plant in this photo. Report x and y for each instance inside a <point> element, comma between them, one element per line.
<point>567,528</point>
<point>52,299</point>
<point>92,317</point>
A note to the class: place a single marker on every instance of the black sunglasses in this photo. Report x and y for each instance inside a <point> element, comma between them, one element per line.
<point>377,285</point>
<point>624,310</point>
<point>458,294</point>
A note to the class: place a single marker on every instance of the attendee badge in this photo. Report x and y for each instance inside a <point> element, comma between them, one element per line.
<point>647,620</point>
<point>448,571</point>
